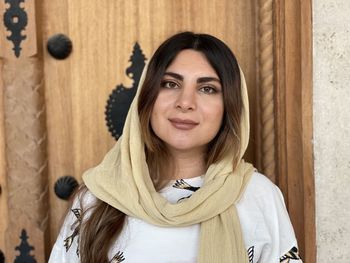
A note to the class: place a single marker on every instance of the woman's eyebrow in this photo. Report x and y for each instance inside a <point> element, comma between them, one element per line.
<point>199,80</point>
<point>174,75</point>
<point>208,79</point>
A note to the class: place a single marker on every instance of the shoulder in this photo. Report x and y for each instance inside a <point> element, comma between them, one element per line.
<point>83,198</point>
<point>81,201</point>
<point>82,204</point>
<point>261,188</point>
<point>263,199</point>
<point>260,182</point>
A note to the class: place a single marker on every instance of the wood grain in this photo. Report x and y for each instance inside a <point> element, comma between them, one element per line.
<point>307,135</point>
<point>58,100</point>
<point>293,80</point>
<point>3,181</point>
<point>103,35</point>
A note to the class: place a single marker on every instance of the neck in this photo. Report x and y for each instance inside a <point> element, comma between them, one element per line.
<point>187,164</point>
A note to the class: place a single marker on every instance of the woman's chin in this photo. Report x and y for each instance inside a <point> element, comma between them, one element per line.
<point>185,148</point>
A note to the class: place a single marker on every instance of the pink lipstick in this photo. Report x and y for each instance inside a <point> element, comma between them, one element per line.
<point>183,124</point>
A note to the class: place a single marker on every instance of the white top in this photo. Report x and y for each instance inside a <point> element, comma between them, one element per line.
<point>266,227</point>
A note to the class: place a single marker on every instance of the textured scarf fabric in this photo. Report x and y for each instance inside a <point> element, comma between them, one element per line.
<point>123,181</point>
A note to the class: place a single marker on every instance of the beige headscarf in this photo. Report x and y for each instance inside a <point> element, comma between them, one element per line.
<point>123,181</point>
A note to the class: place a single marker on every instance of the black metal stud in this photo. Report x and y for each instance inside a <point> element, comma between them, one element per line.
<point>65,186</point>
<point>59,46</point>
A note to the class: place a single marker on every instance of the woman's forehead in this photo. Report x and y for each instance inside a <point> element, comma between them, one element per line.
<point>191,62</point>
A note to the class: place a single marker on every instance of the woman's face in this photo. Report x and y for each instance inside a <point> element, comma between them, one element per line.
<point>188,111</point>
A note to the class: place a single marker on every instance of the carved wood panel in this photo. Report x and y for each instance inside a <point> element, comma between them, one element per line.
<point>24,127</point>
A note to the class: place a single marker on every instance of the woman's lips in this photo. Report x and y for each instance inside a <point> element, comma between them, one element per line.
<point>182,124</point>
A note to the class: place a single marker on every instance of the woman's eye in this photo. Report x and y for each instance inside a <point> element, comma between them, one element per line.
<point>169,85</point>
<point>208,90</point>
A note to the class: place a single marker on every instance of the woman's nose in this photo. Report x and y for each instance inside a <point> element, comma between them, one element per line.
<point>186,99</point>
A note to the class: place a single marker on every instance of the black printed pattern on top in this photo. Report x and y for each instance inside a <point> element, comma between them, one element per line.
<point>182,184</point>
<point>69,240</point>
<point>118,257</point>
<point>291,254</point>
<point>250,252</point>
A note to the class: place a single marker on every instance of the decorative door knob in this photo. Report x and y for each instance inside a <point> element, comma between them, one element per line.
<point>65,186</point>
<point>59,46</point>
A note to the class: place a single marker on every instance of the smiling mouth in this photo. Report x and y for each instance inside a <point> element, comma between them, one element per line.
<point>183,124</point>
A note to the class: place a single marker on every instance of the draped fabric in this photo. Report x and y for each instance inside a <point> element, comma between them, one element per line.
<point>122,180</point>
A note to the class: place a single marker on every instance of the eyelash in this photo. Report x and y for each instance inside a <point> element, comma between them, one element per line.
<point>213,90</point>
<point>164,84</point>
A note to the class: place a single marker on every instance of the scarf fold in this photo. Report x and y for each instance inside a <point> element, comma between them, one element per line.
<point>122,180</point>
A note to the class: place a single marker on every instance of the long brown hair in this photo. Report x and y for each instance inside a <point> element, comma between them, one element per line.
<point>103,225</point>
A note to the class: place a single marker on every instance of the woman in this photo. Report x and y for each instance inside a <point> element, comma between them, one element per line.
<point>175,188</point>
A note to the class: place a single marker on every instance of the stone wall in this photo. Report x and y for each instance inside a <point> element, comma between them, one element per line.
<point>331,92</point>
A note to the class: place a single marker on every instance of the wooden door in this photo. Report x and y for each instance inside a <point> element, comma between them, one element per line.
<point>104,34</point>
<point>109,37</point>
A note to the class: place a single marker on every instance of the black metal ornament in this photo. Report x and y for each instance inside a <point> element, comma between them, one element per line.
<point>120,100</point>
<point>15,20</point>
<point>65,186</point>
<point>24,249</point>
<point>59,46</point>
